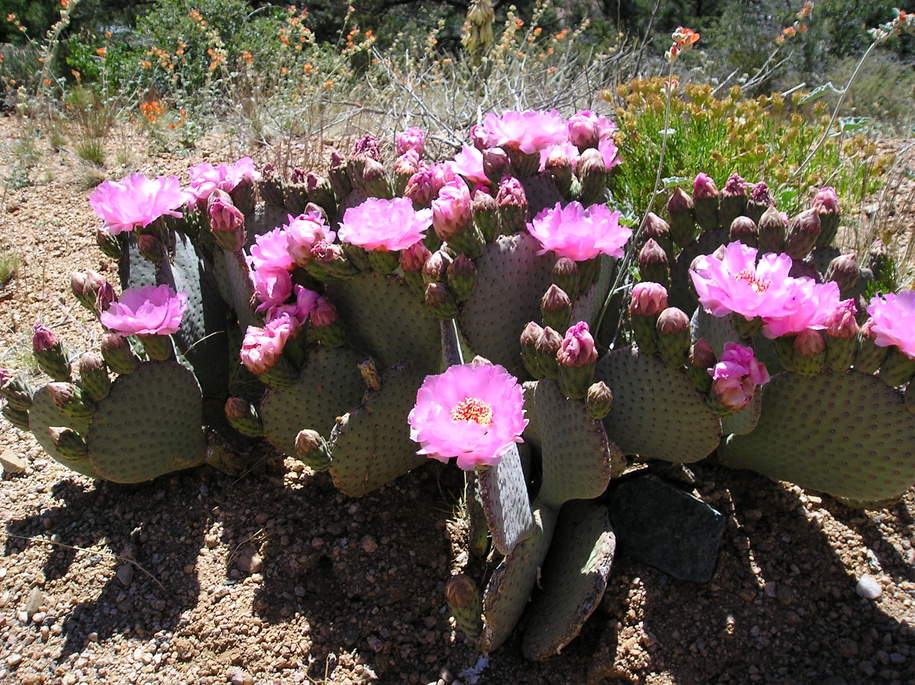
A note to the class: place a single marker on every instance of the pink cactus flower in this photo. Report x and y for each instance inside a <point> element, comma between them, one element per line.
<point>511,193</point>
<point>43,339</point>
<point>841,323</point>
<point>577,346</point>
<point>578,233</point>
<point>421,187</point>
<point>205,177</point>
<point>826,201</point>
<point>414,138</point>
<point>262,347</point>
<point>806,304</point>
<point>451,211</point>
<point>559,155</point>
<point>272,287</point>
<point>408,163</point>
<point>610,153</point>
<point>368,146</point>
<point>384,225</point>
<point>271,251</point>
<point>528,131</point>
<point>149,310</point>
<point>737,284</point>
<point>478,136</point>
<point>647,299</point>
<point>469,164</point>
<point>302,232</point>
<point>704,186</point>
<point>735,186</point>
<point>893,317</point>
<point>736,376</point>
<point>298,311</point>
<point>587,129</point>
<point>136,200</point>
<point>760,195</point>
<point>474,412</point>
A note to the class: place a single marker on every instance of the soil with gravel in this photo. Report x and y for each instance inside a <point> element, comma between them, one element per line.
<point>275,577</point>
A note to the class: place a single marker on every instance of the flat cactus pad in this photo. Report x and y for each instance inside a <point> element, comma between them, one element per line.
<point>44,414</point>
<point>329,384</point>
<point>576,455</point>
<point>511,279</point>
<point>806,436</point>
<point>371,445</point>
<point>657,413</point>
<point>149,425</point>
<point>503,494</point>
<point>744,421</point>
<point>574,579</point>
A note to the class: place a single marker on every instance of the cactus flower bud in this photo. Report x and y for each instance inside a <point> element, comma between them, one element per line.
<point>841,323</point>
<point>803,232</point>
<point>548,345</point>
<point>653,263</point>
<point>565,274</point>
<point>243,417</point>
<point>465,603</point>
<point>869,356</point>
<point>826,204</point>
<point>226,221</point>
<point>104,297</point>
<point>405,167</point>
<point>704,187</point>
<point>512,203</point>
<point>529,354</point>
<point>462,277</point>
<point>17,392</point>
<point>599,400</point>
<point>556,308</point>
<point>496,164</point>
<point>440,300</point>
<point>759,201</point>
<point>367,145</point>
<point>593,175</point>
<point>311,449</point>
<point>743,228</point>
<point>673,337</point>
<point>680,208</point>
<point>577,358</point>
<point>117,353</point>
<point>78,286</point>
<point>701,359</point>
<point>485,212</point>
<point>421,188</point>
<point>414,257</point>
<point>49,353</point>
<point>71,400</point>
<point>69,443</point>
<point>375,180</point>
<point>93,375</point>
<point>772,230</point>
<point>647,299</point>
<point>328,261</point>
<point>705,202</point>
<point>452,219</point>
<point>733,199</point>
<point>809,353</point>
<point>108,244</point>
<point>150,247</point>
<point>736,377</point>
<point>845,272</point>
<point>326,327</point>
<point>436,266</point>
<point>657,229</point>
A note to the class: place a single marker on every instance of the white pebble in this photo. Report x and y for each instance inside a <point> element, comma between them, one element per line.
<point>868,587</point>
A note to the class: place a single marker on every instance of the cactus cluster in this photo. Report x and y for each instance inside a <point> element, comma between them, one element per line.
<point>332,317</point>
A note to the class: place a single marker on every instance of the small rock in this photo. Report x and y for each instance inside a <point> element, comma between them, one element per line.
<point>770,588</point>
<point>239,676</point>
<point>12,463</point>
<point>13,660</point>
<point>368,544</point>
<point>211,540</point>
<point>36,598</point>
<point>125,574</point>
<point>249,562</point>
<point>868,587</point>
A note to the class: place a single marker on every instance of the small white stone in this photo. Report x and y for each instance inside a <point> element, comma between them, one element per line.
<point>868,587</point>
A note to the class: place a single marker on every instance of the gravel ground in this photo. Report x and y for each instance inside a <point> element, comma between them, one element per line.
<point>275,577</point>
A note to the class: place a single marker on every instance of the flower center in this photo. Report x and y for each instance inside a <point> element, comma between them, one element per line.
<point>472,409</point>
<point>748,276</point>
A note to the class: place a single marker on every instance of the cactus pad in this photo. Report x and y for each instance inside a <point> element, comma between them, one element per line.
<point>845,434</point>
<point>576,455</point>
<point>717,330</point>
<point>234,282</point>
<point>656,412</point>
<point>388,321</point>
<point>574,579</point>
<point>503,494</point>
<point>541,193</point>
<point>328,385</point>
<point>745,420</point>
<point>149,425</point>
<point>681,293</point>
<point>511,279</point>
<point>371,446</point>
<point>588,305</point>
<point>44,414</point>
<point>509,588</point>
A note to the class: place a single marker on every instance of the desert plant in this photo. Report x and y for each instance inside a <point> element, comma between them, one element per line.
<point>9,265</point>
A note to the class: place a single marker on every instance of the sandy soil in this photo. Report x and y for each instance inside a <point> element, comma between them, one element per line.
<point>275,577</point>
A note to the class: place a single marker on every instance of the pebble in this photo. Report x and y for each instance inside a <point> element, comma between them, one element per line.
<point>12,463</point>
<point>368,544</point>
<point>125,574</point>
<point>868,587</point>
<point>13,660</point>
<point>36,598</point>
<point>238,676</point>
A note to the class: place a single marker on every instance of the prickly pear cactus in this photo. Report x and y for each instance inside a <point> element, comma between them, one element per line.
<point>44,415</point>
<point>805,436</point>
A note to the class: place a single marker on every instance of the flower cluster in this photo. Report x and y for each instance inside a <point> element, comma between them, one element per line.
<point>736,376</point>
<point>684,39</point>
<point>136,201</point>
<point>205,178</point>
<point>737,284</point>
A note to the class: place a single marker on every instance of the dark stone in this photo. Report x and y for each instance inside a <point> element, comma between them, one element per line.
<point>665,527</point>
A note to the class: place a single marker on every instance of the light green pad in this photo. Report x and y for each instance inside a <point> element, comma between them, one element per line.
<point>388,321</point>
<point>510,586</point>
<point>503,494</point>
<point>845,434</point>
<point>44,414</point>
<point>657,413</point>
<point>574,579</point>
<point>149,425</point>
<point>328,385</point>
<point>371,445</point>
<point>511,279</point>
<point>576,455</point>
<point>744,421</point>
<point>234,282</point>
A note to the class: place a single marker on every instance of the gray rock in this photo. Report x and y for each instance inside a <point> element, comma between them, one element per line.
<point>34,602</point>
<point>125,574</point>
<point>665,527</point>
<point>868,587</point>
<point>12,463</point>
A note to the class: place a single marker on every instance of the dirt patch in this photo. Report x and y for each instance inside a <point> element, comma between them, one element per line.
<point>278,578</point>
